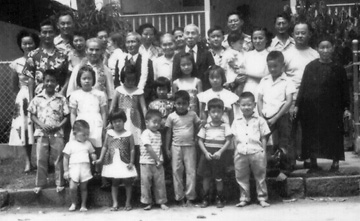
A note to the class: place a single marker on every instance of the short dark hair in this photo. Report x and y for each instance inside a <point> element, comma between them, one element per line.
<point>64,13</point>
<point>182,95</point>
<point>268,35</point>
<point>52,73</point>
<point>80,124</point>
<point>215,69</point>
<point>118,39</point>
<point>247,94</point>
<point>86,68</point>
<point>162,82</point>
<point>215,28</point>
<point>234,36</point>
<point>142,27</point>
<point>177,29</point>
<point>152,113</point>
<point>80,33</point>
<point>129,71</point>
<point>325,37</point>
<point>177,70</point>
<point>24,33</point>
<point>283,15</point>
<point>303,21</point>
<point>275,55</point>
<point>116,115</point>
<point>215,103</point>
<point>47,22</point>
<point>235,13</point>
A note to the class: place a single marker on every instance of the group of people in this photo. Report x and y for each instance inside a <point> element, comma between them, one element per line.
<point>121,107</point>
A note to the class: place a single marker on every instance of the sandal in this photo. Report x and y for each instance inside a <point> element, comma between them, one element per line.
<point>242,204</point>
<point>37,190</point>
<point>114,208</point>
<point>59,189</point>
<point>148,207</point>
<point>128,208</point>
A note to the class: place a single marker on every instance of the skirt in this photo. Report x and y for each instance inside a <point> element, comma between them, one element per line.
<point>118,169</point>
<point>22,131</point>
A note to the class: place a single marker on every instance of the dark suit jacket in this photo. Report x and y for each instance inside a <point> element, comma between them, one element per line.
<point>148,91</point>
<point>204,59</point>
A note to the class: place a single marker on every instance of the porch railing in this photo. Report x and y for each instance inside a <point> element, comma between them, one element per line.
<point>338,8</point>
<point>166,22</point>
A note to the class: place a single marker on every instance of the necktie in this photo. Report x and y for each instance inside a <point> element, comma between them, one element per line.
<point>132,60</point>
<point>191,51</point>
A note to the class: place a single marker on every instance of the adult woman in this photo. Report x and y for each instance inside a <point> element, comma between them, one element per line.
<point>234,24</point>
<point>21,133</point>
<point>322,102</point>
<point>255,60</point>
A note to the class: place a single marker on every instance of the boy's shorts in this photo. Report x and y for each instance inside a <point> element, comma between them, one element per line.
<point>80,172</point>
<point>212,168</point>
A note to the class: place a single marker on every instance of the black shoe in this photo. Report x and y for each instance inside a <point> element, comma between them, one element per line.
<point>204,203</point>
<point>219,202</point>
<point>334,167</point>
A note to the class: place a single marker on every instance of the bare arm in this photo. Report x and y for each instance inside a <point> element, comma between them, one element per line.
<point>218,153</point>
<point>199,86</point>
<point>103,112</point>
<point>103,151</point>
<point>175,88</point>
<point>66,166</point>
<point>132,153</point>
<point>73,115</point>
<point>263,142</point>
<point>168,141</point>
<point>114,102</point>
<point>208,155</point>
<point>143,105</point>
<point>260,105</point>
<point>152,153</point>
<point>285,108</point>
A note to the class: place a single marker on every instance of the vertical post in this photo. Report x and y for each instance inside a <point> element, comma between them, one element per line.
<point>355,44</point>
<point>207,14</point>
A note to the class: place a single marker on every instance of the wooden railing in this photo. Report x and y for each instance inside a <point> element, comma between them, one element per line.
<point>338,8</point>
<point>166,22</point>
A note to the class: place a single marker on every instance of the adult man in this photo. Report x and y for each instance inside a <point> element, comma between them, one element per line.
<point>66,25</point>
<point>282,41</point>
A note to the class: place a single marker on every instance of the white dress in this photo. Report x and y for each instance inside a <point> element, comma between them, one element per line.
<point>22,131</point>
<point>117,156</point>
<point>87,105</point>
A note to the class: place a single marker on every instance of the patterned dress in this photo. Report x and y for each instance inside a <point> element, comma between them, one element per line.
<point>21,132</point>
<point>130,104</point>
<point>117,156</point>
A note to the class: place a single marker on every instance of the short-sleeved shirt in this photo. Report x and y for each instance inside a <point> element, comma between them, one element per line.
<point>164,106</point>
<point>78,151</point>
<point>62,45</point>
<point>274,93</point>
<point>296,61</point>
<point>50,111</point>
<point>248,133</point>
<point>151,53</point>
<point>154,140</point>
<point>39,60</point>
<point>163,67</point>
<point>214,136</point>
<point>277,45</point>
<point>183,128</point>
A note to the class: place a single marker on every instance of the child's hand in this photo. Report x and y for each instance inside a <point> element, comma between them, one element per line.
<point>66,175</point>
<point>168,153</point>
<point>271,121</point>
<point>158,164</point>
<point>202,123</point>
<point>240,78</point>
<point>97,162</point>
<point>130,166</point>
<point>216,155</point>
<point>46,128</point>
<point>208,156</point>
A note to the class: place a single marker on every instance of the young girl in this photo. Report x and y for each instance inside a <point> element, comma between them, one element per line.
<point>233,63</point>
<point>131,100</point>
<point>216,76</point>
<point>186,80</point>
<point>89,104</point>
<point>76,163</point>
<point>118,156</point>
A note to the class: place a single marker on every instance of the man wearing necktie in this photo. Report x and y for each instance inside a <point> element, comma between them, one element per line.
<point>202,57</point>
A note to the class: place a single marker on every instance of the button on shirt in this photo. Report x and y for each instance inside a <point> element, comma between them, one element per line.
<point>274,93</point>
<point>248,133</point>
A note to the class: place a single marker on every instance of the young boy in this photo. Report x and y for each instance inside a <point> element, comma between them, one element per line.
<point>250,131</point>
<point>215,38</point>
<point>77,163</point>
<point>214,139</point>
<point>151,162</point>
<point>181,126</point>
<point>49,111</point>
<point>275,98</point>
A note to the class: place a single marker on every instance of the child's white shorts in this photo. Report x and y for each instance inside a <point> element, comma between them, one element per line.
<point>80,172</point>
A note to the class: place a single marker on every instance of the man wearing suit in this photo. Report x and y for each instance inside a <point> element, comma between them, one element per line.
<point>202,57</point>
<point>143,66</point>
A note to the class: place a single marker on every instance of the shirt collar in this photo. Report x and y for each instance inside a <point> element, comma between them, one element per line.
<point>289,41</point>
<point>134,56</point>
<point>195,49</point>
<point>254,115</point>
<point>44,95</point>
